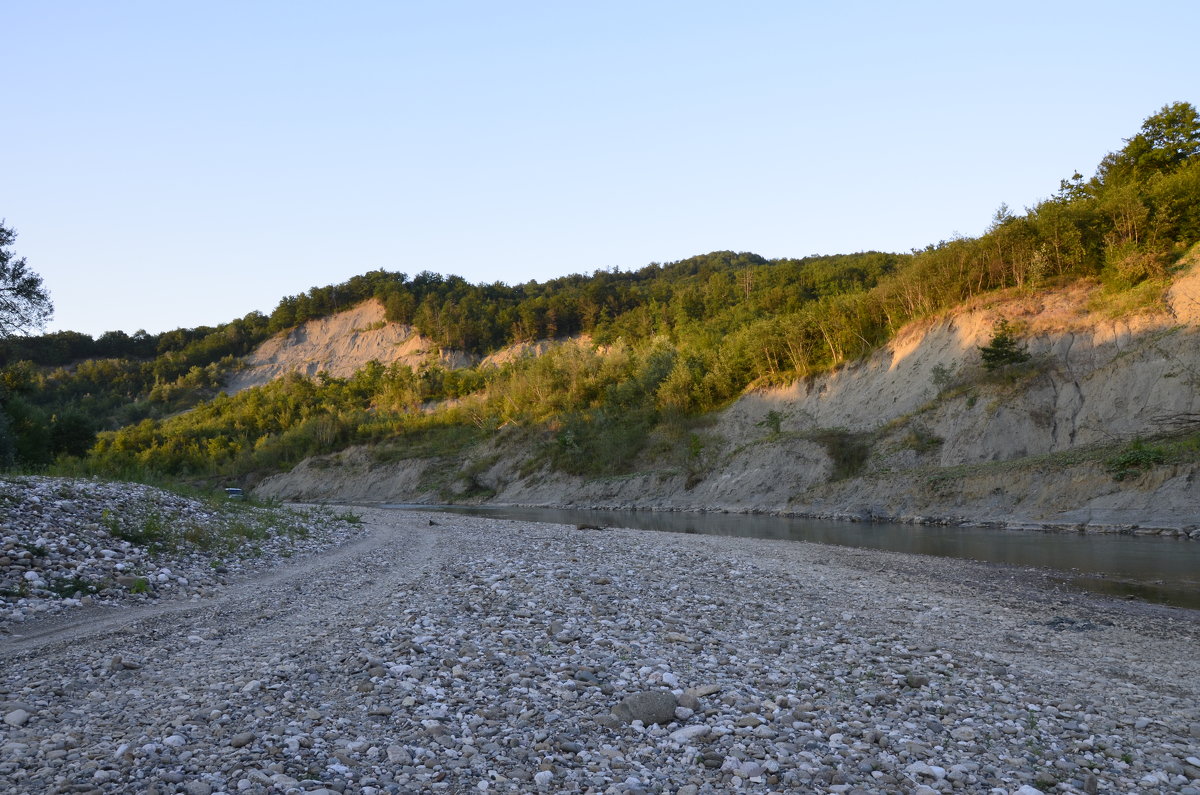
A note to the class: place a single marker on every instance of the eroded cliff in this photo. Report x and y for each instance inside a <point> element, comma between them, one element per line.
<point>918,431</point>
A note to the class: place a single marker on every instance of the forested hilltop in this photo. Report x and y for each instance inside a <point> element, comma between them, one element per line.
<point>645,354</point>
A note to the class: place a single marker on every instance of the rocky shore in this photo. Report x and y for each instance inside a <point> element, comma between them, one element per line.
<point>427,652</point>
<point>67,543</point>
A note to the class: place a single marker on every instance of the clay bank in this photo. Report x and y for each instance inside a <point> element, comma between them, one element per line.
<point>919,432</point>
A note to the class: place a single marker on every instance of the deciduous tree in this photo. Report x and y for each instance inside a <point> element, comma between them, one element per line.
<point>24,302</point>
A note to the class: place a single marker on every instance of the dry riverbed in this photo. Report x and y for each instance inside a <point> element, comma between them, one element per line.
<point>421,652</point>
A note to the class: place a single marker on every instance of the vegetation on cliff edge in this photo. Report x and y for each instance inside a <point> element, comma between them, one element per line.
<point>662,343</point>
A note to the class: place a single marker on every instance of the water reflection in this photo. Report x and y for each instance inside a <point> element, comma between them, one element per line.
<point>1148,568</point>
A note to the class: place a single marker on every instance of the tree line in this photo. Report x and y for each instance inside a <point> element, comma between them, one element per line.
<point>665,341</point>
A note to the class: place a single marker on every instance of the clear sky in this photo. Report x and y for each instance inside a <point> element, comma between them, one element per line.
<point>183,163</point>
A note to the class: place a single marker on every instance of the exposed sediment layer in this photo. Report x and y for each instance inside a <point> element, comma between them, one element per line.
<point>941,440</point>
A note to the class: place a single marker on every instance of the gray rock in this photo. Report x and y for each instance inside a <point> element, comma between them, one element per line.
<point>689,733</point>
<point>964,733</point>
<point>17,717</point>
<point>649,706</point>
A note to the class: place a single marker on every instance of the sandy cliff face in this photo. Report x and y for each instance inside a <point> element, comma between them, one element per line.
<point>340,345</point>
<point>944,440</point>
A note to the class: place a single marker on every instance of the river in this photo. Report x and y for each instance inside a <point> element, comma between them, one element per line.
<point>1162,570</point>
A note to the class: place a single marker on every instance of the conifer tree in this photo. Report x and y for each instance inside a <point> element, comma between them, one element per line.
<point>1003,349</point>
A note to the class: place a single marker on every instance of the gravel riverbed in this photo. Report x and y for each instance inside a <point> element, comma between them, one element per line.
<point>67,543</point>
<point>421,652</point>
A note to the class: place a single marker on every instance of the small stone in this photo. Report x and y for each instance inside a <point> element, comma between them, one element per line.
<point>689,733</point>
<point>240,740</point>
<point>750,769</point>
<point>650,706</point>
<point>543,778</point>
<point>1045,779</point>
<point>17,717</point>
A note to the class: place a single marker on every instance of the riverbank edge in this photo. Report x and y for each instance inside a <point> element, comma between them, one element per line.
<point>850,517</point>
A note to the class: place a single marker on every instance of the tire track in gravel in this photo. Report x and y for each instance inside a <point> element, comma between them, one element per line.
<point>310,595</point>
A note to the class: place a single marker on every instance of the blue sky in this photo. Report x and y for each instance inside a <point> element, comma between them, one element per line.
<point>184,163</point>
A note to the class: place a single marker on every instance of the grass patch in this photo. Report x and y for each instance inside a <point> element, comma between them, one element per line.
<point>848,450</point>
<point>349,516</point>
<point>1140,455</point>
<point>148,530</point>
<point>681,444</point>
<point>1149,296</point>
<point>1137,457</point>
<point>601,443</point>
<point>1123,460</point>
<point>1016,373</point>
<point>68,587</point>
<point>922,440</point>
<point>469,486</point>
<point>435,441</point>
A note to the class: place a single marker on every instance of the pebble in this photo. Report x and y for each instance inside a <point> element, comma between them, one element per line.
<point>651,706</point>
<point>17,717</point>
<point>689,733</point>
<point>514,657</point>
<point>62,537</point>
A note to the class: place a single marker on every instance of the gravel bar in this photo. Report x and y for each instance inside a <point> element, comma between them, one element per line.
<point>433,652</point>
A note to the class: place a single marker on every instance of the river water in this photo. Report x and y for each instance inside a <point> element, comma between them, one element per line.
<point>1151,569</point>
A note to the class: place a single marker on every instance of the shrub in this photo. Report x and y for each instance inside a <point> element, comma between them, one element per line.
<point>922,440</point>
<point>773,420</point>
<point>847,450</point>
<point>1135,458</point>
<point>1003,349</point>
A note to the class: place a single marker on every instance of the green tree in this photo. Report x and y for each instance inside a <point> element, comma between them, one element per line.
<point>1003,349</point>
<point>1167,140</point>
<point>24,302</point>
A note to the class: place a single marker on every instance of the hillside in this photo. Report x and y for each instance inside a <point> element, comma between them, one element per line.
<point>340,345</point>
<point>850,384</point>
<point>917,431</point>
